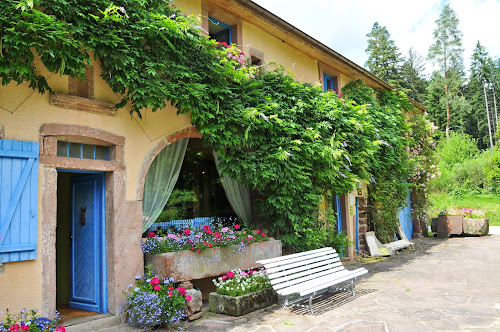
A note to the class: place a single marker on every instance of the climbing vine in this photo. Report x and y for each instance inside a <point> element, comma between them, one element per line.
<point>291,141</point>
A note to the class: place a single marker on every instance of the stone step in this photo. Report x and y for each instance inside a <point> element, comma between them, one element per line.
<point>93,323</point>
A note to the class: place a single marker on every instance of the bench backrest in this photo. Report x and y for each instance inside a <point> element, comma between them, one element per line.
<point>286,271</point>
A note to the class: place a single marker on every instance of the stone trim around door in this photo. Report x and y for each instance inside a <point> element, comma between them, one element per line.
<point>190,132</point>
<point>124,257</point>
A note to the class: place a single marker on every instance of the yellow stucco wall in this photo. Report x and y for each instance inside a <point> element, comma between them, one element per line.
<point>23,111</point>
<point>274,49</point>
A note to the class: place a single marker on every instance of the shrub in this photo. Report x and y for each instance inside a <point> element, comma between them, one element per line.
<point>457,148</point>
<point>28,320</point>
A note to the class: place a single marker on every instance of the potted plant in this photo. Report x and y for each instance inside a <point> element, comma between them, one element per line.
<point>474,222</point>
<point>28,320</point>
<point>153,301</point>
<point>240,292</point>
<point>449,223</point>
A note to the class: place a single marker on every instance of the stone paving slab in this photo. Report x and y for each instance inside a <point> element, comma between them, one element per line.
<point>440,285</point>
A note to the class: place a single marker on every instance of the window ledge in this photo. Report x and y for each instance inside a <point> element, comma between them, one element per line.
<point>82,104</point>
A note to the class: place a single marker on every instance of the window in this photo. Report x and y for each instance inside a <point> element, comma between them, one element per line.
<point>330,83</point>
<point>82,151</point>
<point>219,31</point>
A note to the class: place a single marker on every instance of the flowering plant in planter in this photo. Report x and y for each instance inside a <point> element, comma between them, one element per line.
<point>199,238</point>
<point>28,320</point>
<point>464,212</point>
<point>154,301</point>
<point>238,282</point>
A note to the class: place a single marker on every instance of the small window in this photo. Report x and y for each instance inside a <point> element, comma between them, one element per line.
<point>330,83</point>
<point>255,61</point>
<point>82,151</point>
<point>219,31</point>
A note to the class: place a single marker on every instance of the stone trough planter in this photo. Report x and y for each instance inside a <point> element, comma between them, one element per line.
<point>189,265</point>
<point>447,225</point>
<point>242,305</point>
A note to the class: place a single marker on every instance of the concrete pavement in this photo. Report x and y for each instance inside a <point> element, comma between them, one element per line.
<point>440,285</point>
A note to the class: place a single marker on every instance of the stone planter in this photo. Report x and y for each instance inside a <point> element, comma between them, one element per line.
<point>189,265</point>
<point>241,305</point>
<point>476,226</point>
<point>449,225</point>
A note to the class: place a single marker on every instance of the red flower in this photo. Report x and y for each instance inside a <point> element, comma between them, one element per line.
<point>25,327</point>
<point>209,231</point>
<point>230,274</point>
<point>237,226</point>
<point>170,288</point>
<point>263,234</point>
<point>187,231</point>
<point>204,243</point>
<point>198,251</point>
<point>257,231</point>
<point>192,248</point>
<point>170,294</point>
<point>209,244</point>
<point>60,329</point>
<point>14,327</point>
<point>224,277</point>
<point>181,290</point>
<point>157,288</point>
<point>150,234</point>
<point>217,235</point>
<point>188,298</point>
<point>206,227</point>
<point>155,281</point>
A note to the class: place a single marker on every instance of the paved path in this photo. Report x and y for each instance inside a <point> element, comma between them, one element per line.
<point>441,285</point>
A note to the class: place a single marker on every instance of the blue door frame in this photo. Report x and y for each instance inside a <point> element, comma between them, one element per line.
<point>88,286</point>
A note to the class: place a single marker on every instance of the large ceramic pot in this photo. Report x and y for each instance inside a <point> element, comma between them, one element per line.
<point>241,305</point>
<point>449,225</point>
<point>476,226</point>
<point>190,265</point>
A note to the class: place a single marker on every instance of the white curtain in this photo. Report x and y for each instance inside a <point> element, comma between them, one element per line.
<point>160,180</point>
<point>237,194</point>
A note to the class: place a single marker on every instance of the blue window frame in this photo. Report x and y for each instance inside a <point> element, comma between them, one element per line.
<point>330,83</point>
<point>82,151</point>
<point>220,31</point>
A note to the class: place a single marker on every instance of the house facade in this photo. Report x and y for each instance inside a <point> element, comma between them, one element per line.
<point>73,168</point>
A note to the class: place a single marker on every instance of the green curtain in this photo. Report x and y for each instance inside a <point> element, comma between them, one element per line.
<point>160,180</point>
<point>238,196</point>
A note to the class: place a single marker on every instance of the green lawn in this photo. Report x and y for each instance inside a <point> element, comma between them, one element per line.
<point>489,203</point>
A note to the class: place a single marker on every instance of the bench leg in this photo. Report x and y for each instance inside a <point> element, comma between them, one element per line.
<point>310,303</point>
<point>285,303</point>
<point>352,287</point>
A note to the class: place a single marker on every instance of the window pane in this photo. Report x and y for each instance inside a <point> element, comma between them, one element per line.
<point>101,152</point>
<point>62,149</point>
<point>88,151</point>
<point>74,150</point>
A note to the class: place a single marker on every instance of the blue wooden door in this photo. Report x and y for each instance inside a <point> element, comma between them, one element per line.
<point>405,217</point>
<point>18,200</point>
<point>88,284</point>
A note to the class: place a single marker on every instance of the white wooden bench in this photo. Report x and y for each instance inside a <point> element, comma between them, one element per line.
<point>308,274</point>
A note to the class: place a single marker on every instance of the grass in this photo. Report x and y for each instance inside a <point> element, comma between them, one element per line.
<point>489,203</point>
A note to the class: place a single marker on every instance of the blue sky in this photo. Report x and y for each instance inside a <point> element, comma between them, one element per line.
<point>343,25</point>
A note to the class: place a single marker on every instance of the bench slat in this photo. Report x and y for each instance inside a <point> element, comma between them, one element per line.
<point>287,257</point>
<point>301,287</point>
<point>272,269</point>
<point>300,259</point>
<point>320,286</point>
<point>308,278</point>
<point>295,273</point>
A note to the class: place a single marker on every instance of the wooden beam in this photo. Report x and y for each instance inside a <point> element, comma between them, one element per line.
<point>82,104</point>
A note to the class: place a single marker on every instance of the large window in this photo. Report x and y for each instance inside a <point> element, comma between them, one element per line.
<point>330,83</point>
<point>219,31</point>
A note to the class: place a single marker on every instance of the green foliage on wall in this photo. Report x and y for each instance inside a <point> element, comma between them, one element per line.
<point>290,141</point>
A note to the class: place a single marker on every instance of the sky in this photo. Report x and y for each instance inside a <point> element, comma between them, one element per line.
<point>342,25</point>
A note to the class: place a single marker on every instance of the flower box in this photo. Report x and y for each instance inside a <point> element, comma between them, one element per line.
<point>449,225</point>
<point>476,226</point>
<point>241,305</point>
<point>211,262</point>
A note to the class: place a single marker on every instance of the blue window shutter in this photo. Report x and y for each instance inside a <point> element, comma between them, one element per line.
<point>18,200</point>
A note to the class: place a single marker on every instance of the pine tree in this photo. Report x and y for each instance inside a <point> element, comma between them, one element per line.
<point>384,58</point>
<point>413,77</point>
<point>482,71</point>
<point>447,51</point>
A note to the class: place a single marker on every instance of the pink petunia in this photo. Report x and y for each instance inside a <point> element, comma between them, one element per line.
<point>170,294</point>
<point>230,274</point>
<point>181,290</point>
<point>155,281</point>
<point>151,234</point>
<point>188,298</point>
<point>257,231</point>
<point>237,226</point>
<point>187,231</point>
<point>157,288</point>
<point>60,329</point>
<point>263,234</point>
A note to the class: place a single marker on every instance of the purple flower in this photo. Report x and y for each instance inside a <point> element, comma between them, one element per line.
<point>373,180</point>
<point>343,175</point>
<point>264,117</point>
<point>122,9</point>
<point>348,159</point>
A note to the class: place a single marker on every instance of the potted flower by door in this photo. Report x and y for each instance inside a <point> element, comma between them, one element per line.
<point>240,292</point>
<point>474,222</point>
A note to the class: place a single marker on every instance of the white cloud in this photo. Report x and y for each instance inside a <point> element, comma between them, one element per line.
<point>343,25</point>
